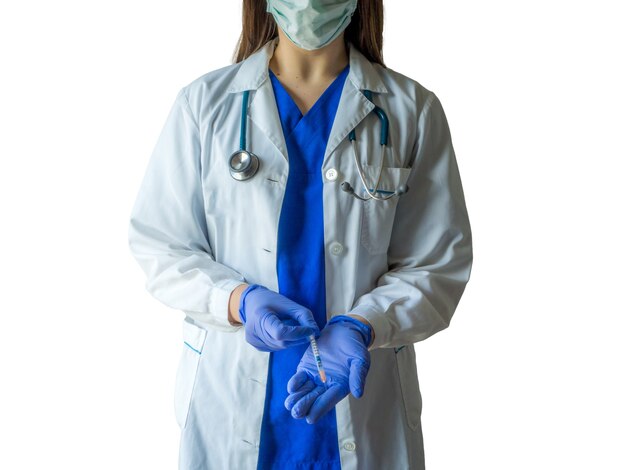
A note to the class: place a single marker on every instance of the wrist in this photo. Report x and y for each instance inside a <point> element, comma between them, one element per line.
<point>233,304</point>
<point>241,305</point>
<point>361,324</point>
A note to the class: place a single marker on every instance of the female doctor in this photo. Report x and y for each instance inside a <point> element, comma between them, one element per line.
<point>306,189</point>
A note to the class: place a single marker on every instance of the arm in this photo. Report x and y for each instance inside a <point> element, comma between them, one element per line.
<point>430,253</point>
<point>168,231</point>
<point>234,303</point>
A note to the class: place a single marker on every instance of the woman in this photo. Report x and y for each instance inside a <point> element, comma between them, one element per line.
<point>328,233</point>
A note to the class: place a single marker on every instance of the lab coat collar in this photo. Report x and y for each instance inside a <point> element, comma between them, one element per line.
<point>353,106</point>
<point>254,70</point>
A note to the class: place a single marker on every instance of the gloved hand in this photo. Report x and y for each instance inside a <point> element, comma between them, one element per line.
<point>343,349</point>
<point>273,321</point>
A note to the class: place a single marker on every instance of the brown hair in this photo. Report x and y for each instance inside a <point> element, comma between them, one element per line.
<point>365,30</point>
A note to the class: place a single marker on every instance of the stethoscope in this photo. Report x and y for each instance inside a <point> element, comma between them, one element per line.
<point>244,164</point>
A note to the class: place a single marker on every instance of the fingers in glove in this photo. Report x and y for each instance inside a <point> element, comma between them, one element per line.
<point>325,402</point>
<point>358,374</point>
<point>305,318</point>
<point>297,381</point>
<point>294,397</point>
<point>301,408</point>
<point>287,334</point>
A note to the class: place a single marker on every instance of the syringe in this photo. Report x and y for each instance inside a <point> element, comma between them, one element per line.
<point>318,359</point>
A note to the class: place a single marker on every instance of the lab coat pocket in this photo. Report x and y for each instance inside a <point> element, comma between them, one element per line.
<point>409,384</point>
<point>193,343</point>
<point>377,216</point>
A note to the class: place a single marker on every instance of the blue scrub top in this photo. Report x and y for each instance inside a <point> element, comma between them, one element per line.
<point>288,443</point>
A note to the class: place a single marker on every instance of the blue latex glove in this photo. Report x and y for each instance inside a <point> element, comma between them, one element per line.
<point>273,321</point>
<point>343,349</point>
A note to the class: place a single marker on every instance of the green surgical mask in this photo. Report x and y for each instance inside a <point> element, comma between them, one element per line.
<point>312,24</point>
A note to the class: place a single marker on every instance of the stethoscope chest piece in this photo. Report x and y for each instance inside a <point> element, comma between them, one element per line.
<point>243,165</point>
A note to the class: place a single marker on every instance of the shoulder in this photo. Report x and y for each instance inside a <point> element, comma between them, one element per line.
<point>408,91</point>
<point>210,87</point>
<point>419,105</point>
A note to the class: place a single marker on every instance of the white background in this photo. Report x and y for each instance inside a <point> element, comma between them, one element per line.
<point>530,375</point>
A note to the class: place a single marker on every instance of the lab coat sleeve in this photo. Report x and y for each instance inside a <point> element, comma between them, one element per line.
<point>430,253</point>
<point>168,231</point>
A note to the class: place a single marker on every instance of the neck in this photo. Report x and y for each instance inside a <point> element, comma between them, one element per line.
<point>321,64</point>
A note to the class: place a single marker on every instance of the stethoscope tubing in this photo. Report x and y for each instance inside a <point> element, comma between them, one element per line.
<point>248,163</point>
<point>244,118</point>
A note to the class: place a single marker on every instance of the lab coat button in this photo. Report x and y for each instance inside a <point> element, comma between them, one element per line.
<point>336,248</point>
<point>332,174</point>
<point>349,446</point>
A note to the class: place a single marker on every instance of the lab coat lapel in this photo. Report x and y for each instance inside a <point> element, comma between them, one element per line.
<point>353,108</point>
<point>353,105</point>
<point>263,112</point>
<point>253,75</point>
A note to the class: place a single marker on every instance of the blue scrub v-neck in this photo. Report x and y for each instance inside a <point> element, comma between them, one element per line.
<point>288,443</point>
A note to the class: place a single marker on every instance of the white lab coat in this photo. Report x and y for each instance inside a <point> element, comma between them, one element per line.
<point>402,264</point>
